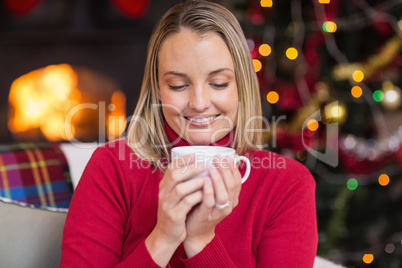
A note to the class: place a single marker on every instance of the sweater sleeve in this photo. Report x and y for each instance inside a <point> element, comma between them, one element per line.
<point>213,255</point>
<point>94,231</point>
<point>290,238</point>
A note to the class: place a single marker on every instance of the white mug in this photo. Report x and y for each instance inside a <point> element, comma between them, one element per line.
<point>207,156</point>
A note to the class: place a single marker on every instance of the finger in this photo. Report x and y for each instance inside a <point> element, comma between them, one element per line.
<point>235,188</point>
<point>231,178</point>
<point>221,194</point>
<point>208,198</point>
<point>227,173</point>
<point>184,189</point>
<point>174,176</point>
<point>188,202</point>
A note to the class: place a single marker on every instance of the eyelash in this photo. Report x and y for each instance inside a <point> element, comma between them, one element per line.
<point>177,87</point>
<point>217,86</point>
<point>220,86</point>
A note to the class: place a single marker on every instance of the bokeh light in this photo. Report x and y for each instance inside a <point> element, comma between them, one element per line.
<point>257,65</point>
<point>312,124</point>
<point>292,53</point>
<point>324,1</point>
<point>358,76</point>
<point>390,248</point>
<point>266,3</point>
<point>383,180</point>
<point>378,95</point>
<point>356,91</point>
<point>352,184</point>
<point>272,97</point>
<point>264,50</point>
<point>329,27</point>
<point>368,258</point>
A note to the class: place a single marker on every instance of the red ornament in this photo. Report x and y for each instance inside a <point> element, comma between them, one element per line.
<point>20,7</point>
<point>132,8</point>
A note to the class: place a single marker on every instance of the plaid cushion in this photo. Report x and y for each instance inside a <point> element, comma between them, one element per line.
<point>36,174</point>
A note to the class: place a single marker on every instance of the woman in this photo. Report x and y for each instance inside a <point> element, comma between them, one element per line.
<point>135,208</point>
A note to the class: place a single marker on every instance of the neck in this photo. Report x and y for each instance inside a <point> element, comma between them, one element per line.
<point>178,141</point>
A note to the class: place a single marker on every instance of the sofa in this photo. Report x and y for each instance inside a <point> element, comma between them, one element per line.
<point>36,185</point>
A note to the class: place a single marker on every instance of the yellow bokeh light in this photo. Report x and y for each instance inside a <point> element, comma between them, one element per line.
<point>337,111</point>
<point>356,91</point>
<point>324,1</point>
<point>264,50</point>
<point>358,76</point>
<point>312,124</point>
<point>291,53</point>
<point>272,97</point>
<point>368,258</point>
<point>266,3</point>
<point>383,180</point>
<point>257,65</point>
<point>329,26</point>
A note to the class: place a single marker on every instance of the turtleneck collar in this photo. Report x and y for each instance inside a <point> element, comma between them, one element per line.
<point>177,141</point>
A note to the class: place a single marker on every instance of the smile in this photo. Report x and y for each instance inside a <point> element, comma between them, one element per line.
<point>201,121</point>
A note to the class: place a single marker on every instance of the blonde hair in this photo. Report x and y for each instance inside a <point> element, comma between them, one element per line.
<point>202,17</point>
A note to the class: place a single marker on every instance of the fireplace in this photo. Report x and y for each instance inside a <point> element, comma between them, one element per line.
<point>92,37</point>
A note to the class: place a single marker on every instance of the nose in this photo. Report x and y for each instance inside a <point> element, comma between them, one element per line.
<point>199,98</point>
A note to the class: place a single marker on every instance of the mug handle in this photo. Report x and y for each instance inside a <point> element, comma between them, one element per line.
<point>248,168</point>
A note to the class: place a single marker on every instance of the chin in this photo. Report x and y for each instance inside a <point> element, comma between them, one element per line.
<point>200,139</point>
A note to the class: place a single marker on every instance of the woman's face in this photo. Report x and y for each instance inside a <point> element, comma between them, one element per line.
<point>197,86</point>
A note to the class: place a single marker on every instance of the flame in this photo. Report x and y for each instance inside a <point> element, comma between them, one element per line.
<point>117,120</point>
<point>42,98</point>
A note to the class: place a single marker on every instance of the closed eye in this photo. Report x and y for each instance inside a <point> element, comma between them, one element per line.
<point>220,86</point>
<point>177,87</point>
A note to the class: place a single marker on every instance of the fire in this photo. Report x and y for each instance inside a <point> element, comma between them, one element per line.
<point>41,100</point>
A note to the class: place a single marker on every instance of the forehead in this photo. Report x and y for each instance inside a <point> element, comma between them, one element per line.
<point>189,47</point>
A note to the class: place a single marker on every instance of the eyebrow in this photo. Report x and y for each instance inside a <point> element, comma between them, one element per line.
<point>185,75</point>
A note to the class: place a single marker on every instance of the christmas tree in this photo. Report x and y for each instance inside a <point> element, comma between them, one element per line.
<point>330,79</point>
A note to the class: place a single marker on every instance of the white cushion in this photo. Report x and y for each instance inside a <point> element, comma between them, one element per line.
<point>78,155</point>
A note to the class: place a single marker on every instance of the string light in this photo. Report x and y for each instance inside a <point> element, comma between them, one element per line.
<point>312,125</point>
<point>390,248</point>
<point>292,53</point>
<point>352,184</point>
<point>264,50</point>
<point>378,95</point>
<point>272,97</point>
<point>356,91</point>
<point>257,65</point>
<point>368,258</point>
<point>383,180</point>
<point>335,113</point>
<point>392,97</point>
<point>358,76</point>
<point>266,3</point>
<point>329,27</point>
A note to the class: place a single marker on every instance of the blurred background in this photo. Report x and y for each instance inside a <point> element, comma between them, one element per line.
<point>330,78</point>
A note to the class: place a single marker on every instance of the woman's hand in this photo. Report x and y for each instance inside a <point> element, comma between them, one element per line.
<point>224,184</point>
<point>177,196</point>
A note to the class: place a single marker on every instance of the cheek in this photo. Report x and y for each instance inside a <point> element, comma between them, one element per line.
<point>171,105</point>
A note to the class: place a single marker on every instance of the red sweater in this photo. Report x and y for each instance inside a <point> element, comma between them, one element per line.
<point>114,209</point>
